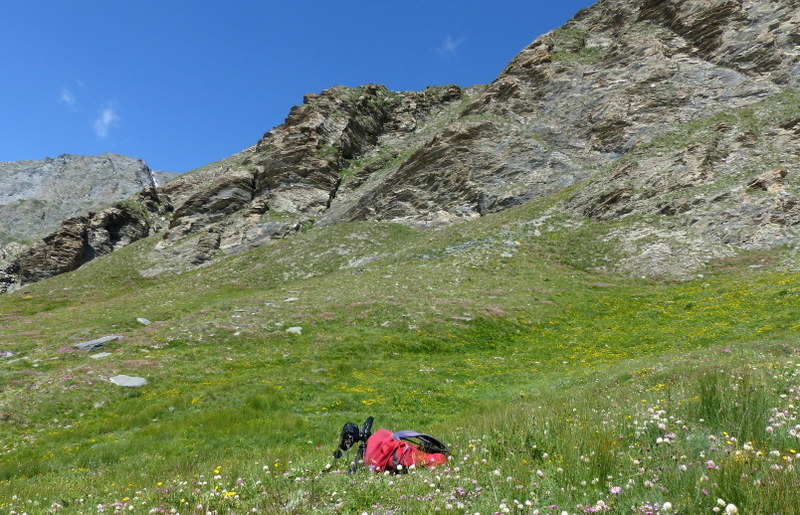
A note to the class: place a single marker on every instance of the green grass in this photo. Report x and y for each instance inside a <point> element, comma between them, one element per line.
<point>547,378</point>
<point>768,113</point>
<point>570,46</point>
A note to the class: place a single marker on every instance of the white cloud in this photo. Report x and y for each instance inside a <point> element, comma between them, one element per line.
<point>105,119</point>
<point>67,97</point>
<point>450,45</point>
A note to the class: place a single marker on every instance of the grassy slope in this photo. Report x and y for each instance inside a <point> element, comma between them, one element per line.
<point>492,335</point>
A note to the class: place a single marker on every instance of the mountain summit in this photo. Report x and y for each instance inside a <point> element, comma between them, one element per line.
<point>671,123</point>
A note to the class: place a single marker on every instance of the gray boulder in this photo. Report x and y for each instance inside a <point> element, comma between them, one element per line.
<point>93,345</point>
<point>128,381</point>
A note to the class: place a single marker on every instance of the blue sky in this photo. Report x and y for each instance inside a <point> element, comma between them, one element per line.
<point>182,83</point>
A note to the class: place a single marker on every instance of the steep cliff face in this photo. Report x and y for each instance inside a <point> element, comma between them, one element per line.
<point>80,239</point>
<point>616,76</point>
<point>297,170</point>
<point>35,196</point>
<point>60,202</point>
<point>677,120</point>
<point>664,113</point>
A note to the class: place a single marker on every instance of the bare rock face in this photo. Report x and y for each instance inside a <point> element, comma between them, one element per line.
<point>470,169</point>
<point>298,164</point>
<point>294,171</point>
<point>771,182</point>
<point>82,238</point>
<point>678,111</point>
<point>614,77</point>
<point>35,196</point>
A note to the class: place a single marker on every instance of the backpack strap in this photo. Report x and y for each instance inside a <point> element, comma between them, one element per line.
<point>400,460</point>
<point>425,443</point>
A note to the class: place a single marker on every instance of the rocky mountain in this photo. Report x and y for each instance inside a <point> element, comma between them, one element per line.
<point>36,196</point>
<point>670,124</point>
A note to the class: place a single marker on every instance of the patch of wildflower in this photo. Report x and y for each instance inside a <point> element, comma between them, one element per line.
<point>641,452</point>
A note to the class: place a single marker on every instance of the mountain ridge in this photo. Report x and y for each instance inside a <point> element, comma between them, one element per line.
<point>586,108</point>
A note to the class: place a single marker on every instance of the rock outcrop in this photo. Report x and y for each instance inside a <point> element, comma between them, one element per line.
<point>35,196</point>
<point>82,238</point>
<point>294,173</point>
<point>671,110</point>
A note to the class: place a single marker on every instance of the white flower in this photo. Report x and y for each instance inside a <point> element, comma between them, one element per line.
<point>731,509</point>
<point>721,502</point>
<point>667,506</point>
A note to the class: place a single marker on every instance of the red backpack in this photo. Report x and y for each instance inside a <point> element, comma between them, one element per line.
<point>392,452</point>
<point>395,452</point>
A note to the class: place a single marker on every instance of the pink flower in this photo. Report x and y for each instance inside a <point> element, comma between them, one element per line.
<point>615,489</point>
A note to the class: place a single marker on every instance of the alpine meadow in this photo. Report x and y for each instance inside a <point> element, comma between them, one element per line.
<point>584,278</point>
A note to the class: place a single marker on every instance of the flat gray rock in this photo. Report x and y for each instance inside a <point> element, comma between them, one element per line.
<point>100,355</point>
<point>144,321</point>
<point>95,344</point>
<point>129,381</point>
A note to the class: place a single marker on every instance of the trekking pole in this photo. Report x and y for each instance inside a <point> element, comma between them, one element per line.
<point>358,458</point>
<point>363,436</point>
